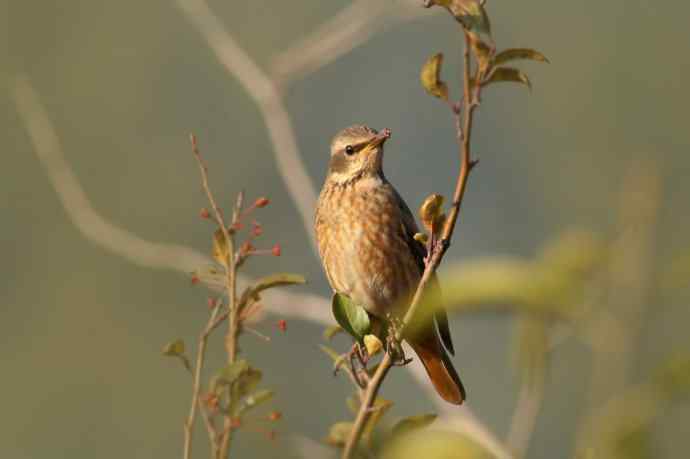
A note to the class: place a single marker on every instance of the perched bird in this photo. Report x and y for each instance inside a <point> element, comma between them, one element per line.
<point>365,233</point>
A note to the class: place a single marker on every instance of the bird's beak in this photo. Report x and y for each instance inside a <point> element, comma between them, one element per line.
<point>380,138</point>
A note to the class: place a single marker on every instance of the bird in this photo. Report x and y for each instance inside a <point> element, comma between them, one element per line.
<point>365,234</point>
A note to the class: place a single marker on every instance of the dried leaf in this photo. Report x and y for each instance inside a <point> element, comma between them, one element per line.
<point>507,74</point>
<point>431,77</point>
<point>353,318</point>
<point>469,13</point>
<point>338,434</point>
<point>220,248</point>
<point>519,53</point>
<point>413,423</point>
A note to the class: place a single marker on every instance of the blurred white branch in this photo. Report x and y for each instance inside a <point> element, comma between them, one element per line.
<point>261,88</point>
<point>77,205</point>
<point>525,415</point>
<point>349,28</point>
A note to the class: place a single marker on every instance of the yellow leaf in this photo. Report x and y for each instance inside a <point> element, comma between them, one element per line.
<point>431,209</point>
<point>220,248</point>
<point>519,53</point>
<point>373,344</point>
<point>431,77</point>
<point>507,74</point>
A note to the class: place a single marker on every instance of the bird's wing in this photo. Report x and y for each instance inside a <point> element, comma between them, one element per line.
<point>419,251</point>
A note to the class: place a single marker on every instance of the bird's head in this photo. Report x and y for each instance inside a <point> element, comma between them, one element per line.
<point>357,152</point>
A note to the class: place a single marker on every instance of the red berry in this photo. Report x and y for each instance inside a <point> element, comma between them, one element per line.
<point>275,415</point>
<point>261,202</point>
<point>235,423</point>
<point>257,230</point>
<point>204,213</point>
<point>195,280</point>
<point>276,250</point>
<point>282,325</point>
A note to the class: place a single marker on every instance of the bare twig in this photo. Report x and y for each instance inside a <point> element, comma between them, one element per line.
<point>439,250</point>
<point>196,390</point>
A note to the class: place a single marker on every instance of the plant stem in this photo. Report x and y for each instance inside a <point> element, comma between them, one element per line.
<point>470,101</point>
<point>230,282</point>
<point>196,388</point>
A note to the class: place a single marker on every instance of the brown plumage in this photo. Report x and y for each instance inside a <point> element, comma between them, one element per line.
<point>365,234</point>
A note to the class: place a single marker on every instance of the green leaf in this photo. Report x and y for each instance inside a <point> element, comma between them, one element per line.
<point>255,399</point>
<point>519,53</point>
<point>338,434</point>
<point>353,318</point>
<point>330,352</point>
<point>413,423</point>
<point>174,348</point>
<point>228,375</point>
<point>431,77</point>
<point>331,331</point>
<point>274,280</point>
<point>338,359</point>
<point>248,380</point>
<point>507,74</point>
<point>378,410</point>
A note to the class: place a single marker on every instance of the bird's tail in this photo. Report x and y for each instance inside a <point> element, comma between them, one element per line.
<point>439,367</point>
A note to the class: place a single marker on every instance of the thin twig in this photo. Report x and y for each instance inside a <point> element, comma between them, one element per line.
<point>439,250</point>
<point>230,266</point>
<point>196,387</point>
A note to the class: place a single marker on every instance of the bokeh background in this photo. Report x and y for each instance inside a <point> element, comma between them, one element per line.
<point>604,130</point>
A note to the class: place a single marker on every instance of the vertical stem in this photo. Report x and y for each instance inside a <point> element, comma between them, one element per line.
<point>439,250</point>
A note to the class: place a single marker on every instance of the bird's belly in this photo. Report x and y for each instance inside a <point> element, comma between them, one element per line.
<point>374,267</point>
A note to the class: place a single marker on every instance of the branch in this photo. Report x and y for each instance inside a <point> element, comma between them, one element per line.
<point>264,92</point>
<point>525,416</point>
<point>438,251</point>
<point>230,265</point>
<point>196,389</point>
<point>352,26</point>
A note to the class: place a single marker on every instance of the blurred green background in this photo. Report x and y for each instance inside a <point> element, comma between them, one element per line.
<point>125,82</point>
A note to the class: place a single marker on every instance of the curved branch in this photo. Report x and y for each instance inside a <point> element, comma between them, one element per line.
<point>349,28</point>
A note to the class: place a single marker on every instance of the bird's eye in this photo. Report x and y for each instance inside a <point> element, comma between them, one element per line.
<point>349,150</point>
